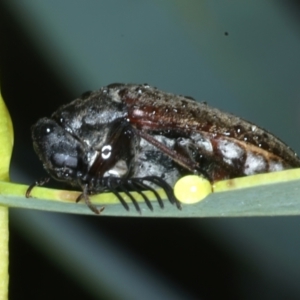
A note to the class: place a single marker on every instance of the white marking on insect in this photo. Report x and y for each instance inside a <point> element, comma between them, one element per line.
<point>91,157</point>
<point>115,97</point>
<point>230,151</point>
<point>275,166</point>
<point>106,151</point>
<point>119,170</point>
<point>254,164</point>
<point>138,113</point>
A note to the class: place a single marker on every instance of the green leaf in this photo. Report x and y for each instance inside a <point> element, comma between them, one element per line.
<point>259,195</point>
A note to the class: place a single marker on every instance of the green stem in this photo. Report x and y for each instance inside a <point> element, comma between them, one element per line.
<point>6,144</point>
<point>4,277</point>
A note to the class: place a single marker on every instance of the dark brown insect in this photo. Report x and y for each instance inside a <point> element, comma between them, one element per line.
<point>127,137</point>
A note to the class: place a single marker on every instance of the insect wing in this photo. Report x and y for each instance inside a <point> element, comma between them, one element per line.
<point>228,143</point>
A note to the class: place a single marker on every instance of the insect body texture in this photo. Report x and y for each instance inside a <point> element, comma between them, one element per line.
<point>127,137</point>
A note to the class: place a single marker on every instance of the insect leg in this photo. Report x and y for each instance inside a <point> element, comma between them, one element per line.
<point>116,193</point>
<point>140,184</point>
<point>123,188</point>
<point>136,186</point>
<point>165,186</point>
<point>37,183</point>
<point>126,185</point>
<point>84,195</point>
<point>117,185</point>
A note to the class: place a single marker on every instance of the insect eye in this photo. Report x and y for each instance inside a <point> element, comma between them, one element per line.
<point>106,151</point>
<point>46,129</point>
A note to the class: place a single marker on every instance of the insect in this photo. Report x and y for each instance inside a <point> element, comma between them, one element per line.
<point>129,137</point>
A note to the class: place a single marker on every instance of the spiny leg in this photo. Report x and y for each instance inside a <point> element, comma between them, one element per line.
<point>166,187</point>
<point>146,187</point>
<point>138,187</point>
<point>112,189</point>
<point>122,187</point>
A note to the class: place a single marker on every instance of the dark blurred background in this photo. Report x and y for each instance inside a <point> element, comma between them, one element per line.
<point>240,56</point>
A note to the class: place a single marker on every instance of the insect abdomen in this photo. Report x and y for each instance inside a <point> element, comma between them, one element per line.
<point>223,158</point>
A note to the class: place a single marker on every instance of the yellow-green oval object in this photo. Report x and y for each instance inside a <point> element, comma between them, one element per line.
<point>192,189</point>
